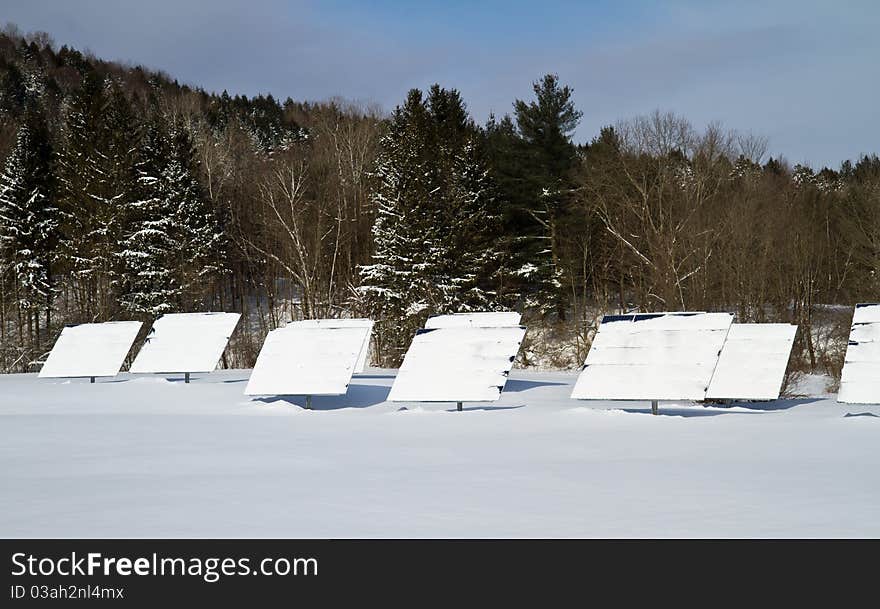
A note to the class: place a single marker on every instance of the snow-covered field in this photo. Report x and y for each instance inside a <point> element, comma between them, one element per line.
<point>150,457</point>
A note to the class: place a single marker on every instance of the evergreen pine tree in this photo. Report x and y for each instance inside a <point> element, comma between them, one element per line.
<point>534,164</point>
<point>87,220</point>
<point>197,236</point>
<point>99,186</point>
<point>508,158</point>
<point>391,285</point>
<point>148,286</point>
<point>435,220</point>
<point>29,218</point>
<point>170,251</point>
<point>120,167</point>
<point>13,90</point>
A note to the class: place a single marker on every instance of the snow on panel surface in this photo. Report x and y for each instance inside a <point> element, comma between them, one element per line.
<point>653,356</point>
<point>185,342</point>
<point>860,377</point>
<point>303,360</point>
<point>457,364</point>
<point>753,362</point>
<point>91,349</point>
<point>343,323</point>
<point>490,319</point>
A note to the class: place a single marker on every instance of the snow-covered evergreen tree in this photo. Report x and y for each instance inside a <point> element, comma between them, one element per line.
<point>98,183</point>
<point>434,220</point>
<point>169,251</point>
<point>474,231</point>
<point>197,234</point>
<point>803,176</point>
<point>147,249</point>
<point>391,286</point>
<point>28,216</point>
<point>539,190</point>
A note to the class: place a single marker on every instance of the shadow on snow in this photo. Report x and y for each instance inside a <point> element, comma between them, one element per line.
<point>711,410</point>
<point>694,411</point>
<point>469,408</point>
<point>358,396</point>
<point>514,385</point>
<point>783,404</point>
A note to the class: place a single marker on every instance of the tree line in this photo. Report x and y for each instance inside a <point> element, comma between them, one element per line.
<point>125,194</point>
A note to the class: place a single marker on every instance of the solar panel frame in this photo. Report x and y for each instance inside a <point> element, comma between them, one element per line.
<point>860,376</point>
<point>753,362</point>
<point>457,364</point>
<point>354,322</point>
<point>307,360</point>
<point>481,319</point>
<point>185,343</point>
<point>90,350</point>
<point>653,356</point>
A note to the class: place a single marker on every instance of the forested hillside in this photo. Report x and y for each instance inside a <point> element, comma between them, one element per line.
<point>125,194</point>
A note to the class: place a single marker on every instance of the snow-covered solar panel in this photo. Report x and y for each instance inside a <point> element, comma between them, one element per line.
<point>457,364</point>
<point>91,350</point>
<point>753,362</point>
<point>302,360</point>
<point>653,356</point>
<point>185,342</point>
<point>860,378</point>
<point>489,319</point>
<point>343,323</point>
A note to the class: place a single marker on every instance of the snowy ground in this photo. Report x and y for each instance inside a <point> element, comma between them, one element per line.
<point>149,457</point>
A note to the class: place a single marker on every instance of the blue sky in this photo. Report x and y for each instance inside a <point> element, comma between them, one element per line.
<point>802,73</point>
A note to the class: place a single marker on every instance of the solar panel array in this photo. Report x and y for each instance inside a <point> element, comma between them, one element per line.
<point>343,323</point>
<point>860,378</point>
<point>185,342</point>
<point>90,350</point>
<point>468,357</point>
<point>753,362</point>
<point>303,359</point>
<point>457,364</point>
<point>653,356</point>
